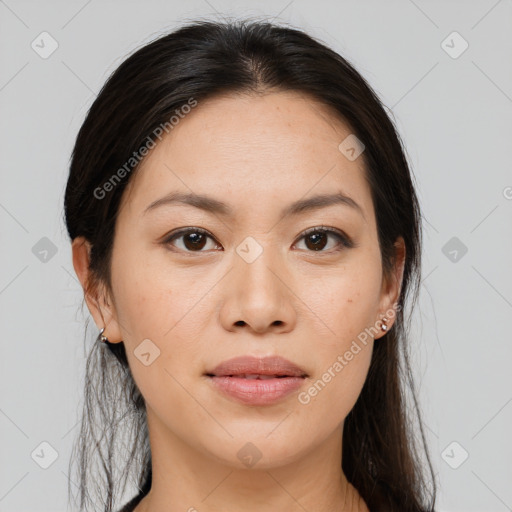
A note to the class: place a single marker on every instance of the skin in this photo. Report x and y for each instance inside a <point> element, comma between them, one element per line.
<point>258,154</point>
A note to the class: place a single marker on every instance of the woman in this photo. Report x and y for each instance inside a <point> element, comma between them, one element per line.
<point>246,230</point>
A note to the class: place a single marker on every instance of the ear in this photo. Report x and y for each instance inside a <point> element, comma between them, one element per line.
<point>102,311</point>
<point>391,287</point>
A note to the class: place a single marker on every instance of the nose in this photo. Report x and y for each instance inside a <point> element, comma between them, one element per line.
<point>259,297</point>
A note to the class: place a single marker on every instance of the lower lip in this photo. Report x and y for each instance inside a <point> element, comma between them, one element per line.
<point>256,391</point>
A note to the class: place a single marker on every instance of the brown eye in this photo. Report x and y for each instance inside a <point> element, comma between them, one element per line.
<point>316,239</point>
<point>192,239</point>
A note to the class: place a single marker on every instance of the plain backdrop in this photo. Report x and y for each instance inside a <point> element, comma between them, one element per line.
<point>444,71</point>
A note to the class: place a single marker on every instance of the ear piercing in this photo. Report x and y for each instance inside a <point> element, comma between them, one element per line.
<point>104,339</point>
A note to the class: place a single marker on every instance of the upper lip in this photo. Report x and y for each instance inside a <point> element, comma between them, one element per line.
<point>250,365</point>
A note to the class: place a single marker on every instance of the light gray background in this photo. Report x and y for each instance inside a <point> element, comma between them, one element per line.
<point>454,115</point>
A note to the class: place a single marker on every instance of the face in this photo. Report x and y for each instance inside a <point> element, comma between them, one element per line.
<point>193,287</point>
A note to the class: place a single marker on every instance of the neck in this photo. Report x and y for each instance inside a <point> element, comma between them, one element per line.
<point>184,478</point>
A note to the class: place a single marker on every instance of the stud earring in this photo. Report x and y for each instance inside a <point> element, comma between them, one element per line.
<point>104,339</point>
<point>384,327</point>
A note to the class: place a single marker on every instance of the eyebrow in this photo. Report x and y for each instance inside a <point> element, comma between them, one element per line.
<point>209,204</point>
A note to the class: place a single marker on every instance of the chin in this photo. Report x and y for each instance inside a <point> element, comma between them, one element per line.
<point>257,451</point>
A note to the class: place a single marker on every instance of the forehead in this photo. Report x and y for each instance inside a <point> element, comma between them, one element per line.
<point>253,149</point>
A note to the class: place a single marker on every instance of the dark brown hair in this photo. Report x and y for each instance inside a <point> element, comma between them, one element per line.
<point>199,61</point>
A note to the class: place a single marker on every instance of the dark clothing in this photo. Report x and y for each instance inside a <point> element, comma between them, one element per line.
<point>143,491</point>
<point>128,507</point>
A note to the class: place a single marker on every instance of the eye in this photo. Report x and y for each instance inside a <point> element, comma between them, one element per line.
<point>316,239</point>
<point>194,239</point>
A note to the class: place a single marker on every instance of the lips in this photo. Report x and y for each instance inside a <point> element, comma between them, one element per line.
<point>264,368</point>
<point>255,381</point>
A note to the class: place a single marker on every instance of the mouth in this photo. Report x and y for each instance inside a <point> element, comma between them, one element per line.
<point>257,381</point>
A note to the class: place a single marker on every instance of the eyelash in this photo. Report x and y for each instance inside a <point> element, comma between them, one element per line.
<point>345,241</point>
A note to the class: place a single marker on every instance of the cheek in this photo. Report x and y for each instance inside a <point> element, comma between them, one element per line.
<point>157,311</point>
<point>343,302</point>
<point>341,369</point>
<point>152,298</point>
